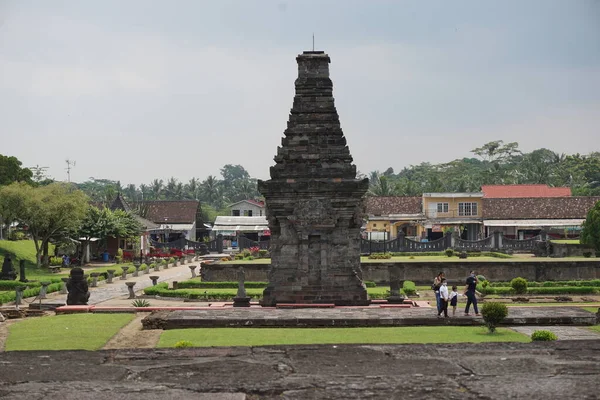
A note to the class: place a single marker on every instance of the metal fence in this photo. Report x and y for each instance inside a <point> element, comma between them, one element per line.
<point>495,242</point>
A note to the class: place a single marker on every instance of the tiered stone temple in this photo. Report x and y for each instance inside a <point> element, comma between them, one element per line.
<point>314,202</point>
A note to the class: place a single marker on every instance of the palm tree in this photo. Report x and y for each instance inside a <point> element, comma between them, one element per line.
<point>145,191</point>
<point>156,187</point>
<point>211,190</point>
<point>191,189</point>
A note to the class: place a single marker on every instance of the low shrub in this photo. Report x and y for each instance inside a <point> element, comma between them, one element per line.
<point>56,261</point>
<point>587,254</point>
<point>409,288</point>
<point>16,235</point>
<point>493,315</point>
<point>183,344</point>
<point>519,285</point>
<point>239,256</point>
<point>463,255</point>
<point>380,256</point>
<point>263,253</point>
<point>543,336</point>
<point>118,259</point>
<point>143,267</point>
<point>449,252</point>
<point>32,292</point>
<point>171,260</point>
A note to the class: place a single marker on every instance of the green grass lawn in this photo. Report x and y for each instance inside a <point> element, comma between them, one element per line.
<point>283,336</point>
<point>65,332</point>
<point>25,250</point>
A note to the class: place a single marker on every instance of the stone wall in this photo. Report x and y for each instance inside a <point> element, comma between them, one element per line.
<point>570,250</point>
<point>423,272</point>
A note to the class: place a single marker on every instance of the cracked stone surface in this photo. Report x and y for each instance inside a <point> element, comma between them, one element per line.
<point>566,370</point>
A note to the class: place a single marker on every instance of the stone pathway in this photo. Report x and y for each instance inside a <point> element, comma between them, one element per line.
<point>131,336</point>
<point>118,290</point>
<point>562,332</point>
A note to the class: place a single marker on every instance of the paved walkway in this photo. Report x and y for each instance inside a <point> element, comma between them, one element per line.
<point>562,332</point>
<point>118,290</point>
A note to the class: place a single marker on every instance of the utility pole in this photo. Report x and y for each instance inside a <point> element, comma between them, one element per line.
<point>70,164</point>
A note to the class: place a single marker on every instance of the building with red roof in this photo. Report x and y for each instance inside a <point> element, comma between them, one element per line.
<point>523,191</point>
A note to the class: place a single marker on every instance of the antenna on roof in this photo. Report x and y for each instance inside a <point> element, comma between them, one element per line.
<point>313,41</point>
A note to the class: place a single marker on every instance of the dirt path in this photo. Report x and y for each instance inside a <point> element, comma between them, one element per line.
<point>132,336</point>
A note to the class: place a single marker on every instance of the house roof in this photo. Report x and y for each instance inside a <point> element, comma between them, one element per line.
<point>538,207</point>
<point>453,195</point>
<point>388,205</point>
<point>119,203</point>
<point>516,191</point>
<point>253,202</point>
<point>248,221</point>
<point>171,211</point>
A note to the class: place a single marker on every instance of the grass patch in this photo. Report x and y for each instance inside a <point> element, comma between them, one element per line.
<point>591,309</point>
<point>595,328</point>
<point>566,241</point>
<point>25,250</point>
<point>287,336</point>
<point>65,332</point>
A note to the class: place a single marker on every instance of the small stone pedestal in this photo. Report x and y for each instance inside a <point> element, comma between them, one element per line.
<point>182,260</point>
<point>19,295</point>
<point>94,276</point>
<point>124,276</point>
<point>130,286</point>
<point>137,266</point>
<point>63,288</point>
<point>395,296</point>
<point>147,270</point>
<point>43,290</point>
<point>157,266</point>
<point>154,280</point>
<point>192,270</point>
<point>241,300</point>
<point>111,274</point>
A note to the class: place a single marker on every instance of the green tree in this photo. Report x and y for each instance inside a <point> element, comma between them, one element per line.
<point>47,211</point>
<point>590,233</point>
<point>11,171</point>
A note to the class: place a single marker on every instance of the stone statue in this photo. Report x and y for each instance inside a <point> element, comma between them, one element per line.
<point>78,288</point>
<point>8,270</point>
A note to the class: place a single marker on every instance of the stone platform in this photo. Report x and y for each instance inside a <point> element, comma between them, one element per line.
<point>353,317</point>
<point>533,371</point>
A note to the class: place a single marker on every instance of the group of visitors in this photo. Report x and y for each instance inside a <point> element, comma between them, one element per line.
<point>444,297</point>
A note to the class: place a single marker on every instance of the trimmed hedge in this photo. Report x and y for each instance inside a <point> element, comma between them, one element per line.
<point>11,296</point>
<point>593,282</point>
<point>541,290</point>
<point>455,253</point>
<point>162,289</point>
<point>196,284</point>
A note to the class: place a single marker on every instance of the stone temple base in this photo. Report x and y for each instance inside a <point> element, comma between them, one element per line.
<point>340,296</point>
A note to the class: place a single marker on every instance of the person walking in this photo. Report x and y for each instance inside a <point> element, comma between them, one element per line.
<point>470,293</point>
<point>444,297</point>
<point>437,282</point>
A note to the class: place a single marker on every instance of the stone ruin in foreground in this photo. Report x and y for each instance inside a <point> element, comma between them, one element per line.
<point>314,202</point>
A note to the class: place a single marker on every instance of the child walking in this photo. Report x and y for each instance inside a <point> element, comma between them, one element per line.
<point>453,300</point>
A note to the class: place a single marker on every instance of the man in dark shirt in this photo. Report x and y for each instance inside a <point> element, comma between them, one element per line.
<point>470,293</point>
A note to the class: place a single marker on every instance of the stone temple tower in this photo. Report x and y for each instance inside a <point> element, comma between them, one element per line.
<point>314,202</point>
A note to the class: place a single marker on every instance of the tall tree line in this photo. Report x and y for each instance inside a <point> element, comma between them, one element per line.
<point>233,185</point>
<point>494,163</point>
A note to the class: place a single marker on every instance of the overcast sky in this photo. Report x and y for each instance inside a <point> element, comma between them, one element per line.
<point>136,90</point>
